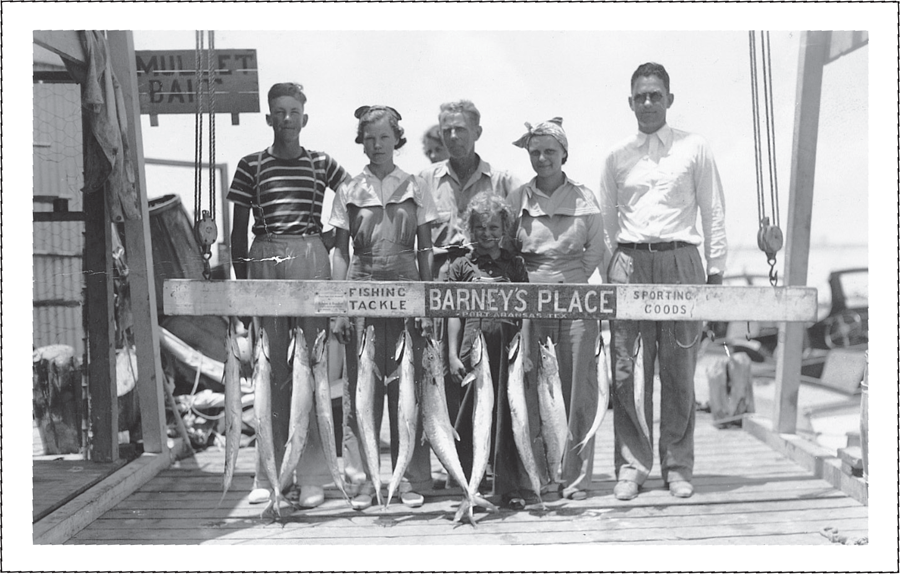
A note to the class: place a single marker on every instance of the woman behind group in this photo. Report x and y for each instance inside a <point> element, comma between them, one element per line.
<point>559,233</point>
<point>386,213</point>
<point>433,146</point>
<point>488,220</point>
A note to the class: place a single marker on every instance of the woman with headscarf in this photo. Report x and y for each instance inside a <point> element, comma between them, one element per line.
<point>559,233</point>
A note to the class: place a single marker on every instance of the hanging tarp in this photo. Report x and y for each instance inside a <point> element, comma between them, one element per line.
<point>107,162</point>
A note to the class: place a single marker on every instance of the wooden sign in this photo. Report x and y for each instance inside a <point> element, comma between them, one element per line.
<point>259,297</point>
<point>167,81</point>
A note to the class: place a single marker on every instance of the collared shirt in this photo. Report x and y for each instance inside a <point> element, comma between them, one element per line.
<point>476,266</point>
<point>560,235</point>
<point>285,194</point>
<point>366,190</point>
<point>652,188</point>
<point>452,196</point>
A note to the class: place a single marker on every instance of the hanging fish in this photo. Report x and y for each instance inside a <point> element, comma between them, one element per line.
<point>482,417</point>
<point>324,416</point>
<point>603,382</point>
<point>301,406</point>
<point>640,387</point>
<point>554,423</point>
<point>519,414</point>
<point>365,408</point>
<point>438,428</point>
<point>231,380</point>
<point>407,410</point>
<point>262,412</point>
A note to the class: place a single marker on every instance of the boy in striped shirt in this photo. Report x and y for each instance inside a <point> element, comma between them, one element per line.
<point>284,186</point>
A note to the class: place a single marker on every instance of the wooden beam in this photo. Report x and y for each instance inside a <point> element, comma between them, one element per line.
<point>432,299</point>
<point>140,258</point>
<point>68,520</point>
<point>101,328</point>
<point>841,42</point>
<point>813,54</point>
<point>65,43</point>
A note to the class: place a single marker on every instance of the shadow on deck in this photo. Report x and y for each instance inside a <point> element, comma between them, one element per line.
<point>745,493</point>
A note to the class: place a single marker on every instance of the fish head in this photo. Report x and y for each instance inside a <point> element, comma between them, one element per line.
<point>401,346</point>
<point>549,361</point>
<point>319,346</point>
<point>514,345</point>
<point>262,345</point>
<point>478,349</point>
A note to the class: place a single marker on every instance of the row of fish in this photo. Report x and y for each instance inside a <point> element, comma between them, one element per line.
<point>310,391</point>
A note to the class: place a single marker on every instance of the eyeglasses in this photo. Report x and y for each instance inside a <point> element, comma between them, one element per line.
<point>655,97</point>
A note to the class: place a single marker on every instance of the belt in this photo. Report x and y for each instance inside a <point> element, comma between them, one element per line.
<point>659,246</point>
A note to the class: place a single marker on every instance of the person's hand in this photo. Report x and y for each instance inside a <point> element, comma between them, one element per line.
<point>426,326</point>
<point>714,279</point>
<point>457,370</point>
<point>341,329</point>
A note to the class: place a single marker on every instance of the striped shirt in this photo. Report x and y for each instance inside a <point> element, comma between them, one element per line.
<point>291,191</point>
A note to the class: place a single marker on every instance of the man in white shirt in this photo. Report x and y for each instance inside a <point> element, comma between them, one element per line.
<point>652,188</point>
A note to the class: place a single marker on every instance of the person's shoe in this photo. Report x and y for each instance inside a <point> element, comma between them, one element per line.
<point>513,501</point>
<point>625,489</point>
<point>681,488</point>
<point>574,494</point>
<point>361,501</point>
<point>311,496</point>
<point>259,495</point>
<point>412,499</point>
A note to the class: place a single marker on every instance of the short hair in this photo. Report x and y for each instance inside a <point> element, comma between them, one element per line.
<point>372,114</point>
<point>462,107</point>
<point>651,69</point>
<point>483,207</point>
<point>433,133</point>
<point>291,89</point>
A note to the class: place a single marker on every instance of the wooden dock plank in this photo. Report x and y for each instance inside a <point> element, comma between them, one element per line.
<point>745,493</point>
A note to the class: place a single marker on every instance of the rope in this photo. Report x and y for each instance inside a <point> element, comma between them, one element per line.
<point>770,102</point>
<point>769,238</point>
<point>754,92</point>
<point>211,95</point>
<point>198,124</point>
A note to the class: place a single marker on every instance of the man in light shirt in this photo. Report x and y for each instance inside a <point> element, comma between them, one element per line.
<point>652,188</point>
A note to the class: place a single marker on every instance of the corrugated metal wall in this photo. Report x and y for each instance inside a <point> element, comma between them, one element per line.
<point>58,246</point>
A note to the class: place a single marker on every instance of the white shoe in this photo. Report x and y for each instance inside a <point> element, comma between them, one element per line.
<point>259,495</point>
<point>311,496</point>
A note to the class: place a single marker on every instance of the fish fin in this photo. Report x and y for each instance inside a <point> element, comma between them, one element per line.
<point>395,376</point>
<point>463,507</point>
<point>456,435</point>
<point>468,379</point>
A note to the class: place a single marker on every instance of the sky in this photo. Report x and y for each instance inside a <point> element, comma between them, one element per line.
<point>517,63</point>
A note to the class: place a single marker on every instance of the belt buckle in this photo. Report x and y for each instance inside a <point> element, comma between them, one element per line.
<point>650,248</point>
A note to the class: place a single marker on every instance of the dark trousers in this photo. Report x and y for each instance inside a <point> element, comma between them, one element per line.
<point>675,344</point>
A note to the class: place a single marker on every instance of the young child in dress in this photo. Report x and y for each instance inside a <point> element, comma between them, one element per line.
<point>488,220</point>
<point>388,216</point>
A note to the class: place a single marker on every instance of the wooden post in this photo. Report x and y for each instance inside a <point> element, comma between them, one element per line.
<point>98,307</point>
<point>140,258</point>
<point>813,56</point>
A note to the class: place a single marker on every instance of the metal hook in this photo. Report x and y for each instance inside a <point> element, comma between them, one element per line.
<point>773,274</point>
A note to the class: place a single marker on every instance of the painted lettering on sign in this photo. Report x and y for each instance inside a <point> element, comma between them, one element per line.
<point>520,300</point>
<point>167,81</point>
<point>666,302</point>
<point>388,299</point>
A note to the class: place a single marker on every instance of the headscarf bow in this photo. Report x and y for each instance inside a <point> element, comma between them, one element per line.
<point>552,127</point>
